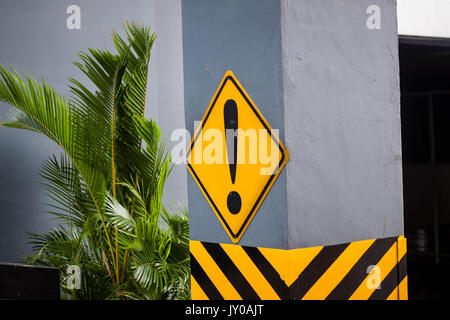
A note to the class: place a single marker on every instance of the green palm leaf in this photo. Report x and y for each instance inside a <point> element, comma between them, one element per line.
<point>106,188</point>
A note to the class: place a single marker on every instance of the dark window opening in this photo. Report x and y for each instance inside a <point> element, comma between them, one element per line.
<point>425,113</point>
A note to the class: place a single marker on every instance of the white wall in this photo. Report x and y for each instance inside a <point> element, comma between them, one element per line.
<point>427,18</point>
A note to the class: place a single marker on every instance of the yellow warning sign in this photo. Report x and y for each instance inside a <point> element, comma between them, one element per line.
<point>235,156</point>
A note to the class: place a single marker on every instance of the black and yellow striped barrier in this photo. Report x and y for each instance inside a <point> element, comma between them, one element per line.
<point>370,269</point>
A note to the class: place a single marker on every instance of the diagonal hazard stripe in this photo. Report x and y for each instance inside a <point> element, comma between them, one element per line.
<point>395,295</point>
<point>358,273</point>
<point>389,283</point>
<point>268,271</point>
<point>199,293</point>
<point>315,270</point>
<point>230,270</point>
<point>343,264</point>
<point>203,280</point>
<point>222,271</point>
<point>383,268</point>
<point>215,274</point>
<point>250,272</point>
<point>402,268</point>
<point>402,288</point>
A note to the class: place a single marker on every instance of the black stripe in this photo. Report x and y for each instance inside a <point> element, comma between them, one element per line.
<point>389,283</point>
<point>268,271</point>
<point>315,269</point>
<point>402,268</point>
<point>230,270</point>
<point>203,280</point>
<point>358,273</point>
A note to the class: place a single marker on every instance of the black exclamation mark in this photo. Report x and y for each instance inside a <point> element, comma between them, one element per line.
<point>230,116</point>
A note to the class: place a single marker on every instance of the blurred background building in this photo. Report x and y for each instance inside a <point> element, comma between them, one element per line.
<point>424,57</point>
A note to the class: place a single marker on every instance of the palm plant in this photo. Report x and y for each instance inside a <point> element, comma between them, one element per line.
<point>108,182</point>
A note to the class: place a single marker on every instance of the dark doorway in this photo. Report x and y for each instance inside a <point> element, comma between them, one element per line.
<point>425,113</point>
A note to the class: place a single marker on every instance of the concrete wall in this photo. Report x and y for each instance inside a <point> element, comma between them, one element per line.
<point>342,121</point>
<point>339,108</point>
<point>35,39</point>
<point>245,37</point>
<point>313,68</point>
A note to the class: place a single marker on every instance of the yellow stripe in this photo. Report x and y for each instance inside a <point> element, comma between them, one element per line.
<point>214,273</point>
<point>290,263</point>
<point>403,286</point>
<point>250,272</point>
<point>337,271</point>
<point>386,264</point>
<point>403,289</point>
<point>402,245</point>
<point>278,258</point>
<point>196,291</point>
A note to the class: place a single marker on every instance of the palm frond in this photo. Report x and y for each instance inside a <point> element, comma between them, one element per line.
<point>108,185</point>
<point>48,113</point>
<point>119,215</point>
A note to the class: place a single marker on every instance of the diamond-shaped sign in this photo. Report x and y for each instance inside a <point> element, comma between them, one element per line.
<point>235,156</point>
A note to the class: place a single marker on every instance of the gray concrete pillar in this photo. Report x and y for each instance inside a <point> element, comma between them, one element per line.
<point>342,121</point>
<point>325,73</point>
